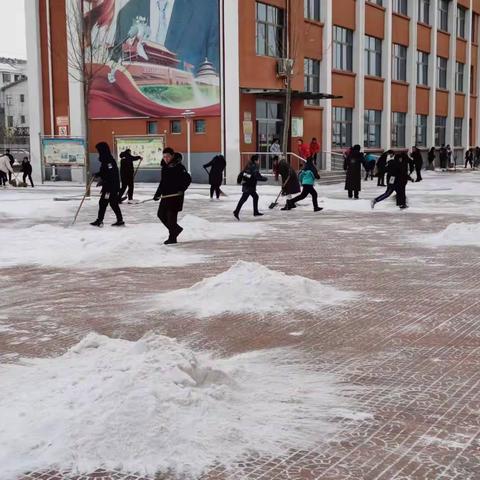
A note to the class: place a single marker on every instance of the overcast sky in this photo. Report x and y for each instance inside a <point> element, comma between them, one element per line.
<point>12,29</point>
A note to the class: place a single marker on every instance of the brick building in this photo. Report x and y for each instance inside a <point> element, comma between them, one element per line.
<point>406,72</point>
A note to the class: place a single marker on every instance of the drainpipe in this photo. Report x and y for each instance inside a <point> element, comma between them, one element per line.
<point>50,70</point>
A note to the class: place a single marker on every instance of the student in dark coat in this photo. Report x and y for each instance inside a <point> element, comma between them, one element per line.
<point>249,177</point>
<point>110,181</point>
<point>171,193</point>
<point>397,179</point>
<point>127,174</point>
<point>417,161</point>
<point>382,167</point>
<point>469,158</point>
<point>27,171</point>
<point>11,159</point>
<point>353,166</point>
<point>443,157</point>
<point>431,159</point>
<point>215,175</point>
<point>290,183</point>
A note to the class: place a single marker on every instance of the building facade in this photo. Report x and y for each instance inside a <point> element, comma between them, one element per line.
<point>13,93</point>
<point>404,73</point>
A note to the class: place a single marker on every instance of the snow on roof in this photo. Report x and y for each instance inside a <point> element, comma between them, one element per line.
<point>6,67</point>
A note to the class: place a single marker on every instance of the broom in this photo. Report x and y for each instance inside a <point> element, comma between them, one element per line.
<point>275,203</point>
<point>83,200</point>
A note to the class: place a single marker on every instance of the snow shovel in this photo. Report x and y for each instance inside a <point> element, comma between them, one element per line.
<point>275,203</point>
<point>14,182</point>
<point>83,200</point>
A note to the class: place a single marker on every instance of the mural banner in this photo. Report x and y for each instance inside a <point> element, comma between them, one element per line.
<point>63,151</point>
<point>153,58</point>
<point>149,148</point>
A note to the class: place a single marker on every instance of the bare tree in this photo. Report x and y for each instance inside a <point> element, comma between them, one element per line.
<point>89,39</point>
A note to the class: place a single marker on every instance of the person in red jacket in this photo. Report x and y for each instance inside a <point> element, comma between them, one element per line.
<point>303,149</point>
<point>314,149</point>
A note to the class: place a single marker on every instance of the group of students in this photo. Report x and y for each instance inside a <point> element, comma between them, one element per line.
<point>7,161</point>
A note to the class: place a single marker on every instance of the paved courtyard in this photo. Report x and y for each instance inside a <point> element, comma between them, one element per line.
<point>407,346</point>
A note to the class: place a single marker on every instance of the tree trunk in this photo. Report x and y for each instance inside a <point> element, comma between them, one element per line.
<point>288,107</point>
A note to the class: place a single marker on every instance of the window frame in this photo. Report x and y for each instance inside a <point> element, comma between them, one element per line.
<point>421,129</point>
<point>373,56</point>
<point>342,126</point>
<point>374,126</point>
<point>440,130</point>
<point>399,129</point>
<point>342,49</point>
<point>422,67</point>
<point>268,26</point>
<point>442,73</point>
<point>312,10</point>
<point>196,122</point>
<point>399,62</point>
<point>424,11</point>
<point>175,122</point>
<point>459,77</point>
<point>461,22</point>
<point>311,78</point>
<point>457,132</point>
<point>442,12</point>
<point>400,7</point>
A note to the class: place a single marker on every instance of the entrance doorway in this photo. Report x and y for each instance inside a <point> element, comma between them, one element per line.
<point>269,126</point>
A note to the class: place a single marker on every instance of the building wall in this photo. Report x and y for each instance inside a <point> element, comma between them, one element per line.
<point>14,106</point>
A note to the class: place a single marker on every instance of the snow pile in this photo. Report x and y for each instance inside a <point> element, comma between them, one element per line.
<point>155,406</point>
<point>251,288</point>
<point>80,247</point>
<point>455,234</point>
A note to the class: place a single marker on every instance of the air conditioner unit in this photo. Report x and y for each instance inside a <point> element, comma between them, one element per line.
<point>284,66</point>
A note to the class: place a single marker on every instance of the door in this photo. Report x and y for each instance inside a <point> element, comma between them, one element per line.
<point>269,126</point>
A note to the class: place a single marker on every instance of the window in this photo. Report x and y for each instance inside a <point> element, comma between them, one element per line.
<point>459,75</point>
<point>341,127</point>
<point>152,128</point>
<point>472,80</point>
<point>421,131</point>
<point>8,99</point>
<point>424,11</point>
<point>373,56</point>
<point>440,129</point>
<point>373,128</point>
<point>422,68</point>
<point>474,28</point>
<point>22,98</point>
<point>312,9</point>
<point>175,126</point>
<point>461,13</point>
<point>342,49</point>
<point>269,30</point>
<point>398,129</point>
<point>443,15</point>
<point>6,77</point>
<point>400,6</point>
<point>377,2</point>
<point>22,119</point>
<point>399,63</point>
<point>457,132</point>
<point>312,78</point>
<point>199,126</point>
<point>10,121</point>
<point>17,77</point>
<point>441,72</point>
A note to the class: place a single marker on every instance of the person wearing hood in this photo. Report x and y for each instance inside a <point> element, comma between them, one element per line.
<point>307,178</point>
<point>215,174</point>
<point>353,168</point>
<point>27,171</point>
<point>290,183</point>
<point>469,158</point>
<point>397,179</point>
<point>382,167</point>
<point>110,182</point>
<point>369,165</point>
<point>248,178</point>
<point>174,183</point>
<point>431,159</point>
<point>11,160</point>
<point>127,174</point>
<point>417,161</point>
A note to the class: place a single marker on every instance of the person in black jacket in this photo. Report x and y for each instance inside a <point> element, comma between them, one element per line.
<point>215,175</point>
<point>249,177</point>
<point>27,171</point>
<point>110,182</point>
<point>290,183</point>
<point>11,159</point>
<point>469,158</point>
<point>417,161</point>
<point>431,159</point>
<point>397,179</point>
<point>382,167</point>
<point>443,158</point>
<point>353,167</point>
<point>171,192</point>
<point>127,174</point>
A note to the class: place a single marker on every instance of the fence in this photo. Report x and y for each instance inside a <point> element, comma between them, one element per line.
<point>17,140</point>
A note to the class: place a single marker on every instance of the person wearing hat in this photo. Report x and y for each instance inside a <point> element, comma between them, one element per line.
<point>171,192</point>
<point>127,174</point>
<point>353,168</point>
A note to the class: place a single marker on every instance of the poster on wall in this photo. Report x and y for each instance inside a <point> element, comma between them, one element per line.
<point>63,151</point>
<point>153,58</point>
<point>149,148</point>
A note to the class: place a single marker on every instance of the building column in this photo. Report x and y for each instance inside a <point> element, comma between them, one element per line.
<point>468,83</point>
<point>35,98</point>
<point>75,86</point>
<point>410,134</point>
<point>231,88</point>
<point>451,70</point>
<point>387,48</point>
<point>432,77</point>
<point>326,66</point>
<point>359,67</point>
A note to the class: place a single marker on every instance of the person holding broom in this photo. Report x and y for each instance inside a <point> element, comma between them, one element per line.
<point>307,177</point>
<point>127,174</point>
<point>5,169</point>
<point>290,183</point>
<point>110,182</point>
<point>27,171</point>
<point>215,175</point>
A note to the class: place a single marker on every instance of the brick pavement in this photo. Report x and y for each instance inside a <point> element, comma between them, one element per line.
<point>412,340</point>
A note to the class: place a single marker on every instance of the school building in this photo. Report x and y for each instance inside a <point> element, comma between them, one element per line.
<point>400,73</point>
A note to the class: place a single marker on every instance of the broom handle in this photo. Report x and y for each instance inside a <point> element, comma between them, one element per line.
<point>136,170</point>
<point>83,200</point>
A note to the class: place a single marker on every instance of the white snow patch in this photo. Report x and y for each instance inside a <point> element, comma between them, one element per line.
<point>155,406</point>
<point>249,287</point>
<point>456,234</point>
